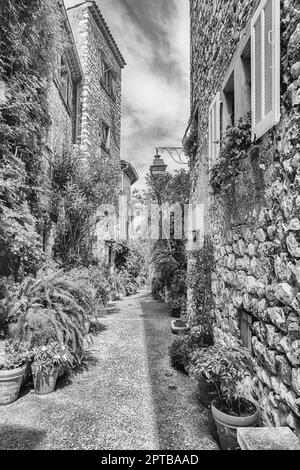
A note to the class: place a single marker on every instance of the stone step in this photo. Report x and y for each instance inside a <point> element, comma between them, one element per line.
<point>280,438</point>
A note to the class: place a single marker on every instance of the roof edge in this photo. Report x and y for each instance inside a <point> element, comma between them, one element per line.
<point>100,20</point>
<point>73,51</point>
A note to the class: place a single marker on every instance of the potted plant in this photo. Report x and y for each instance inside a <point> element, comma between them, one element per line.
<point>48,362</point>
<point>179,326</point>
<point>175,305</point>
<point>226,368</point>
<point>207,389</point>
<point>12,371</point>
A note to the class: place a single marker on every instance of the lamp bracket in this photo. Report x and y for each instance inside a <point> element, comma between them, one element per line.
<point>174,151</point>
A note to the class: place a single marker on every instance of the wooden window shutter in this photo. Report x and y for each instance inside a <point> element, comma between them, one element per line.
<point>265,67</point>
<point>114,87</point>
<point>214,129</point>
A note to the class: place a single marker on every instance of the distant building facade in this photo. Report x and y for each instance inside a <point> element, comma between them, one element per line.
<point>243,138</point>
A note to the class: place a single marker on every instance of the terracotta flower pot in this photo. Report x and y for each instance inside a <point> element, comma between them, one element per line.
<point>10,384</point>
<point>227,426</point>
<point>44,383</point>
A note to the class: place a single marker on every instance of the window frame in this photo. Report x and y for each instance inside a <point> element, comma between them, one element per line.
<point>214,130</point>
<point>267,121</point>
<point>108,79</point>
<point>105,143</point>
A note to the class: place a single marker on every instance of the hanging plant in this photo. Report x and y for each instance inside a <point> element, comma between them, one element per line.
<point>235,146</point>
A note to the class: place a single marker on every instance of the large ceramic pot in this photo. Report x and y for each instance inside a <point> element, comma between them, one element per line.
<point>207,392</point>
<point>227,425</point>
<point>179,326</point>
<point>10,384</point>
<point>44,383</point>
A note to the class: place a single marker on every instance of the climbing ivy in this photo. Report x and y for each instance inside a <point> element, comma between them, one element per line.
<point>201,266</point>
<point>235,145</point>
<point>28,33</point>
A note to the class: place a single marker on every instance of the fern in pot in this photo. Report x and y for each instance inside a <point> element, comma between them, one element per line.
<point>226,368</point>
<point>47,362</point>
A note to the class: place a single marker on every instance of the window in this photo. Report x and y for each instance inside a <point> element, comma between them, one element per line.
<point>105,135</point>
<point>265,67</point>
<point>65,83</point>
<point>214,129</point>
<point>108,78</point>
<point>228,105</point>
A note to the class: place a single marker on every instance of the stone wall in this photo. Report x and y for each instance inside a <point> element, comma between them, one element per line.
<point>256,232</point>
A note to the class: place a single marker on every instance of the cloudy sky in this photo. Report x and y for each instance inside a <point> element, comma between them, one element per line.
<point>153,36</point>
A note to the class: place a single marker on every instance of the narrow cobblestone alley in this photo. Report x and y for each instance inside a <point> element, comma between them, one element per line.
<point>128,397</point>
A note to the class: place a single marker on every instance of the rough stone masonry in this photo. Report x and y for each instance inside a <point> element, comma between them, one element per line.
<point>256,241</point>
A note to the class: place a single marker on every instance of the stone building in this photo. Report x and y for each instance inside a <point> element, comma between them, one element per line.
<point>65,90</point>
<point>102,64</point>
<point>100,111</point>
<point>243,140</point>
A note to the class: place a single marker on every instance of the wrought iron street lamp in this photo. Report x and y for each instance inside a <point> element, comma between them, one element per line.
<point>158,167</point>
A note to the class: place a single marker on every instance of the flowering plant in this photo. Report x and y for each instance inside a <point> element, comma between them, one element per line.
<point>17,354</point>
<point>48,359</point>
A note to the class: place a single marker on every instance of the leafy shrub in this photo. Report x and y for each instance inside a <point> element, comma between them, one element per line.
<point>50,307</point>
<point>130,263</point>
<point>17,354</point>
<point>201,302</point>
<point>184,346</point>
<point>226,368</point>
<point>179,352</point>
<point>99,280</point>
<point>157,289</point>
<point>177,295</point>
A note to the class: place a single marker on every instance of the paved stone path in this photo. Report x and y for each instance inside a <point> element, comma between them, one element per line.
<point>128,397</point>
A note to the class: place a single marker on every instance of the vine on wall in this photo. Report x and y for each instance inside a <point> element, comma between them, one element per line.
<point>235,145</point>
<point>202,264</point>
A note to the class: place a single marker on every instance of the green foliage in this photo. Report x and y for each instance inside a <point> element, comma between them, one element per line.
<point>99,279</point>
<point>80,187</point>
<point>53,303</point>
<point>20,244</point>
<point>168,257</point>
<point>184,346</point>
<point>27,36</point>
<point>235,145</point>
<point>224,367</point>
<point>179,352</point>
<point>168,188</point>
<point>131,267</point>
<point>201,266</point>
<point>48,359</point>
<point>17,354</point>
